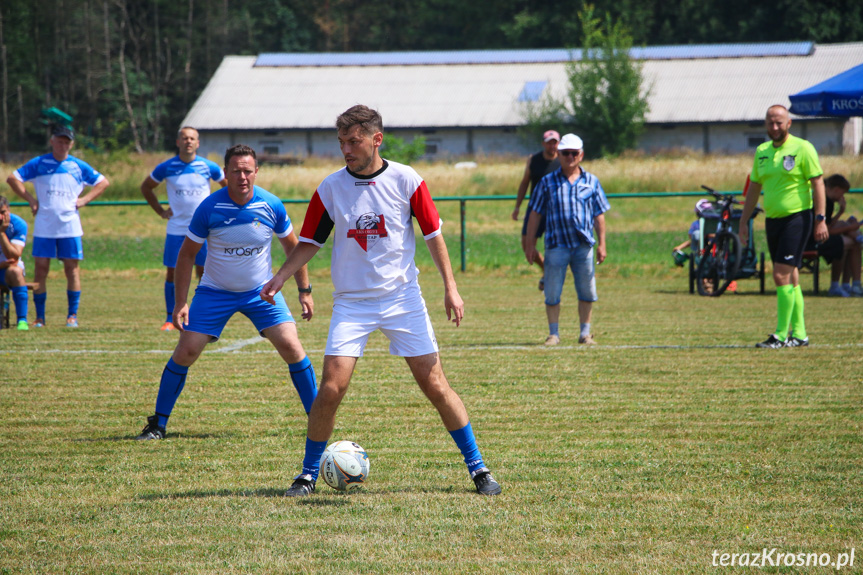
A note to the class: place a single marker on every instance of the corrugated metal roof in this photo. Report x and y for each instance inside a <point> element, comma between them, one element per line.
<point>439,58</point>
<point>243,96</point>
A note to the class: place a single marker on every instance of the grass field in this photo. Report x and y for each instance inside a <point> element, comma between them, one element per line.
<point>671,440</point>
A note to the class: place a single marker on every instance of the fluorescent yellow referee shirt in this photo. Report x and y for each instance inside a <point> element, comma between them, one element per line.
<point>784,175</point>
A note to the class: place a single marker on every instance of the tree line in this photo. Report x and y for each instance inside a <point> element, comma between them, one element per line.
<point>129,70</point>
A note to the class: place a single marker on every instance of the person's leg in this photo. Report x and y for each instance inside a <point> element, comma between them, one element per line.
<point>41,266</point>
<point>16,283</point>
<point>173,379</point>
<point>170,295</point>
<point>286,341</point>
<point>584,278</point>
<point>782,276</point>
<point>428,373</point>
<point>557,261</point>
<point>73,290</point>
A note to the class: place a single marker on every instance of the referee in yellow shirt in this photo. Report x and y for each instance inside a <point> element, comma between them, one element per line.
<point>784,169</point>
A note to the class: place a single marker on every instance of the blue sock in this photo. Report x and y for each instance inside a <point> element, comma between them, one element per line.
<point>585,329</point>
<point>74,298</point>
<point>305,382</point>
<point>170,388</point>
<point>467,445</point>
<point>39,302</point>
<point>553,329</point>
<point>20,297</point>
<point>312,460</point>
<point>169,300</point>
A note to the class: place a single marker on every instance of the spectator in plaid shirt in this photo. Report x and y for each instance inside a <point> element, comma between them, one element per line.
<point>573,203</point>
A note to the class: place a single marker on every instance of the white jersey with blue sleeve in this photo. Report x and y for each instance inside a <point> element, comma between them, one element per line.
<point>16,231</point>
<point>188,184</point>
<point>58,185</point>
<point>238,238</point>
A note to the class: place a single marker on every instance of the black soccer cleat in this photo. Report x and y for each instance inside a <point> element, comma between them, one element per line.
<point>772,342</point>
<point>303,486</point>
<point>153,430</point>
<point>797,342</point>
<point>485,483</point>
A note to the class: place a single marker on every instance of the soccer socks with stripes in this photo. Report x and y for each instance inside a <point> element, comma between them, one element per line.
<point>39,302</point>
<point>466,443</point>
<point>784,309</point>
<point>170,388</point>
<point>305,382</point>
<point>312,459</point>
<point>798,326</point>
<point>169,300</point>
<point>74,298</point>
<point>20,297</point>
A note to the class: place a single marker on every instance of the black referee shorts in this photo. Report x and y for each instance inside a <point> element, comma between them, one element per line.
<point>787,237</point>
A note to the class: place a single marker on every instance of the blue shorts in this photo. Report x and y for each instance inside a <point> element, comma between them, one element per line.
<point>60,248</point>
<point>580,260</point>
<point>172,248</point>
<point>211,309</point>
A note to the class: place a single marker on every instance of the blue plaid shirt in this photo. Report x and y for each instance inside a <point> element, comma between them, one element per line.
<point>569,209</point>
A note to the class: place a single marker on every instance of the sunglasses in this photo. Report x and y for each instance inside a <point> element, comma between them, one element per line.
<point>572,153</point>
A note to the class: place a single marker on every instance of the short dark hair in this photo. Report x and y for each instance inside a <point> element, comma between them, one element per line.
<point>369,121</point>
<point>3,201</point>
<point>837,181</point>
<point>180,131</point>
<point>240,150</point>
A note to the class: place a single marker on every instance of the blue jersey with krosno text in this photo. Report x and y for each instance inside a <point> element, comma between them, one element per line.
<point>58,185</point>
<point>238,238</point>
<point>188,184</point>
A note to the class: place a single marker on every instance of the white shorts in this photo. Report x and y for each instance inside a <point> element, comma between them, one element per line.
<point>401,316</point>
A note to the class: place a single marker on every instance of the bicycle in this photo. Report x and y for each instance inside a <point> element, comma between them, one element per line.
<point>720,260</point>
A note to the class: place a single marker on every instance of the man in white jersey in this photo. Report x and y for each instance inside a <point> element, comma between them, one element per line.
<point>187,178</point>
<point>58,179</point>
<point>368,206</point>
<point>238,222</point>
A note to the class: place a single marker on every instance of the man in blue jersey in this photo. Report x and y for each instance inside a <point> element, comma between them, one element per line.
<point>238,223</point>
<point>13,238</point>
<point>187,178</point>
<point>574,205</point>
<point>58,180</point>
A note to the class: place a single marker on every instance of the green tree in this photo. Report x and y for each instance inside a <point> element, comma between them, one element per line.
<point>397,150</point>
<point>605,102</point>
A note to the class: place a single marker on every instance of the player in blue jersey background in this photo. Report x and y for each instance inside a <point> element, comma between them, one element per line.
<point>238,222</point>
<point>187,179</point>
<point>58,180</point>
<point>13,238</point>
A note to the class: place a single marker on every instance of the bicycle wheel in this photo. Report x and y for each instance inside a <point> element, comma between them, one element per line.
<point>719,265</point>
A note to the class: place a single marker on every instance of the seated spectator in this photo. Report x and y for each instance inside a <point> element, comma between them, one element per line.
<point>13,237</point>
<point>842,249</point>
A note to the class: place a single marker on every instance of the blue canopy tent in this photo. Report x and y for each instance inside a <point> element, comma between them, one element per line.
<point>841,95</point>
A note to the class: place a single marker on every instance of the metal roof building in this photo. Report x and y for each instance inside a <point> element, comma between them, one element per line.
<point>708,97</point>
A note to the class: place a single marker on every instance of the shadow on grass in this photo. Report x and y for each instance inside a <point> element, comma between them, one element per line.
<point>332,498</point>
<point>168,437</point>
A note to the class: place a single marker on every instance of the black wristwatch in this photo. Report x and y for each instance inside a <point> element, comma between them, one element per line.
<point>819,217</point>
<point>305,290</point>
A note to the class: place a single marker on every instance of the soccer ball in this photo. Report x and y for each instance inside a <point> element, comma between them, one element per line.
<point>345,466</point>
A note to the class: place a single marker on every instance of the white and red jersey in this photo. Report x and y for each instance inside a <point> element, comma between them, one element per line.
<point>374,245</point>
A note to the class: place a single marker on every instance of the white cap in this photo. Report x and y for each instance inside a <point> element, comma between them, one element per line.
<point>570,142</point>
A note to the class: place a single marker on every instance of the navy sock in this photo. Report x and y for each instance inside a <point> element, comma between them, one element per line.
<point>20,297</point>
<point>554,329</point>
<point>467,445</point>
<point>173,380</point>
<point>169,300</point>
<point>74,298</point>
<point>305,382</point>
<point>312,460</point>
<point>39,302</point>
